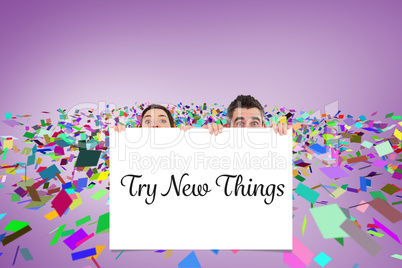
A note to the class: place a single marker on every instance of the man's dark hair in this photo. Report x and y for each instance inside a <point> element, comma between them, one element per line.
<point>244,101</point>
<point>157,106</point>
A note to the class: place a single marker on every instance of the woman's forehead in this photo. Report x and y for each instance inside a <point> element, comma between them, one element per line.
<point>155,112</point>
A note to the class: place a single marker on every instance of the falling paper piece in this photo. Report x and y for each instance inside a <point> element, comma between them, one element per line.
<point>83,220</point>
<point>99,194</point>
<point>383,148</point>
<point>328,219</point>
<point>292,260</point>
<point>51,215</point>
<point>376,194</point>
<point>88,158</point>
<point>72,240</point>
<point>390,189</point>
<point>57,235</point>
<point>26,254</point>
<point>190,261</point>
<point>307,193</point>
<point>322,259</point>
<point>8,239</point>
<point>103,224</point>
<point>387,231</point>
<point>83,254</point>
<point>385,209</point>
<point>302,252</point>
<point>362,208</point>
<point>361,238</point>
<point>99,250</point>
<point>334,172</point>
<point>61,202</point>
<point>15,226</point>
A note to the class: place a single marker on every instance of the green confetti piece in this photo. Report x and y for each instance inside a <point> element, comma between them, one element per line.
<point>57,235</point>
<point>389,115</point>
<point>15,226</point>
<point>300,178</point>
<point>332,184</point>
<point>8,116</point>
<point>91,186</point>
<point>397,203</point>
<point>5,154</point>
<point>29,135</point>
<point>379,194</point>
<point>397,256</point>
<point>340,240</point>
<point>103,224</point>
<point>99,194</point>
<point>344,186</point>
<point>67,233</point>
<point>83,220</point>
<point>375,233</point>
<point>304,224</point>
<point>15,198</point>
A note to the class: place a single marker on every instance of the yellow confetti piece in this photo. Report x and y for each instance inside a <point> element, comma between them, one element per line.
<point>23,177</point>
<point>296,126</point>
<point>99,250</point>
<point>283,119</point>
<point>51,215</point>
<point>168,253</point>
<point>314,133</point>
<point>398,134</point>
<point>76,202</point>
<point>12,171</point>
<point>103,175</point>
<point>338,192</point>
<point>7,144</point>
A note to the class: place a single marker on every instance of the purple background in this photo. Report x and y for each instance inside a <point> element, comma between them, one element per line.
<point>295,54</point>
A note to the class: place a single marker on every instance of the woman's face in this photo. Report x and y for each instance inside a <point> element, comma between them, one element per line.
<point>155,118</point>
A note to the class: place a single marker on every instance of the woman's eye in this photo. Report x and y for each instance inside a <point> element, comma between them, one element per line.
<point>147,121</point>
<point>163,121</point>
<point>240,123</point>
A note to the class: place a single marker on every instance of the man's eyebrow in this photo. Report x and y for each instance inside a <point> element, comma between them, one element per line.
<point>256,118</point>
<point>239,118</point>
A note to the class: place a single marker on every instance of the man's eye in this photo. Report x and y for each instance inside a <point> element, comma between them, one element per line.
<point>254,123</point>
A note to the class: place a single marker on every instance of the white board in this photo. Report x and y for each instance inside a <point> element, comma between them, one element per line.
<point>213,218</point>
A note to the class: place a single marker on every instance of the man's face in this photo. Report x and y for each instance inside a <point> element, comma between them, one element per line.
<point>243,117</point>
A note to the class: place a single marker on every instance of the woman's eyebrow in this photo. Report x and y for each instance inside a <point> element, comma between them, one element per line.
<point>239,118</point>
<point>147,116</point>
<point>162,115</point>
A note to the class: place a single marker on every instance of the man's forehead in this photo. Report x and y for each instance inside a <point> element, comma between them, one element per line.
<point>247,112</point>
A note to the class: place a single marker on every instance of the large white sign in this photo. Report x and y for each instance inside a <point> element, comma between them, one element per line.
<point>171,189</point>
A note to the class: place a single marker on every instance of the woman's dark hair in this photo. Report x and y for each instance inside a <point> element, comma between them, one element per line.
<point>157,106</point>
